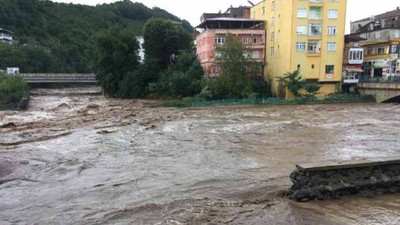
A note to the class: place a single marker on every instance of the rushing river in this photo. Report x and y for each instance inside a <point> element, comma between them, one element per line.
<point>85,159</point>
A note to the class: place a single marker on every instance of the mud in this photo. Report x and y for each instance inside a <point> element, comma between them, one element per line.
<point>85,159</point>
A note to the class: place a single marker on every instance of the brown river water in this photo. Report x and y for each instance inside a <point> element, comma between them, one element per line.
<point>85,159</point>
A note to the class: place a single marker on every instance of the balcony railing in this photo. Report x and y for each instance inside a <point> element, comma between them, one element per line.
<point>389,79</point>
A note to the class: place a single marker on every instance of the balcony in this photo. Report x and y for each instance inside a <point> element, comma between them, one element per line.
<point>315,29</point>
<point>5,37</point>
<point>315,13</point>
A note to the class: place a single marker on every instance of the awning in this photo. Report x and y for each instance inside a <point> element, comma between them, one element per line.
<point>358,70</point>
<point>391,61</point>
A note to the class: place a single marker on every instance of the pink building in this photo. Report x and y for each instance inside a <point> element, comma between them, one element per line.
<point>250,32</point>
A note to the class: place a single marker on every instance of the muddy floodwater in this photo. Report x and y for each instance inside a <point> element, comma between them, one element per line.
<point>85,159</point>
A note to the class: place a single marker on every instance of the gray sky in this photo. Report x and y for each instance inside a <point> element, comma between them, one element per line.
<point>191,10</point>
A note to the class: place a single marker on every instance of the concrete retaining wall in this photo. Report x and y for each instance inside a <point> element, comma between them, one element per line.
<point>330,181</point>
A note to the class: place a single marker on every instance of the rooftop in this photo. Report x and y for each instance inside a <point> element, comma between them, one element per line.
<point>389,14</point>
<point>4,30</point>
<point>230,23</point>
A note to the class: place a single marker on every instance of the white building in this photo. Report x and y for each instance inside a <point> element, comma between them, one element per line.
<point>6,36</point>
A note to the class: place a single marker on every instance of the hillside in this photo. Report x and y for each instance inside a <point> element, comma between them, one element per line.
<point>66,31</point>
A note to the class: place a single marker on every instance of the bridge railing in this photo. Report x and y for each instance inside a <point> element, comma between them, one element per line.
<point>57,76</point>
<point>390,79</point>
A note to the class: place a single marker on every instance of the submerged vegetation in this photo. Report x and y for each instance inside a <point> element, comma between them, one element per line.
<point>12,90</point>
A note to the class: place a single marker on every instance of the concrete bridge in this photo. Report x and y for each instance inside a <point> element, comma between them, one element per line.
<point>46,78</point>
<point>383,90</point>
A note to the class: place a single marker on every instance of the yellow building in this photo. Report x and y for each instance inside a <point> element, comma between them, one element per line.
<point>306,35</point>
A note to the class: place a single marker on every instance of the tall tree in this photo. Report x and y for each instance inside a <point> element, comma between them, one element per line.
<point>236,70</point>
<point>117,55</point>
<point>163,40</point>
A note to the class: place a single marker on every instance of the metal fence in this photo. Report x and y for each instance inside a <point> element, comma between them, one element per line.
<point>390,79</point>
<point>57,76</point>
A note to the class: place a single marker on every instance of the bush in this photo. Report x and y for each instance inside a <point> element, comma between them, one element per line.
<point>12,89</point>
<point>260,88</point>
<point>181,79</point>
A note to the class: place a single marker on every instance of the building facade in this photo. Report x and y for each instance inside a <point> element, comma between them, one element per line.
<point>379,36</point>
<point>303,34</point>
<point>214,31</point>
<point>353,59</point>
<point>6,36</point>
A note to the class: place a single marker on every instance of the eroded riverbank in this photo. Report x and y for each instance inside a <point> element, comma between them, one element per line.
<point>90,160</point>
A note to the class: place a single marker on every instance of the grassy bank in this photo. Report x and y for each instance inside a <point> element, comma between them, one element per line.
<point>342,98</point>
<point>12,90</point>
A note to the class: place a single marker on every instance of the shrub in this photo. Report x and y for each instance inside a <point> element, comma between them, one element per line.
<point>12,89</point>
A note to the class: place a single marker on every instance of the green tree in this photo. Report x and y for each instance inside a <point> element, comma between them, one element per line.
<point>117,56</point>
<point>163,40</point>
<point>181,79</point>
<point>12,89</point>
<point>293,82</point>
<point>236,71</point>
<point>312,89</point>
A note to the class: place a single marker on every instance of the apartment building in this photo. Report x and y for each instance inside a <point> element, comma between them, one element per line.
<point>303,34</point>
<point>379,36</point>
<point>214,31</point>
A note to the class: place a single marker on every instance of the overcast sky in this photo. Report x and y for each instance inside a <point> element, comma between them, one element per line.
<point>191,10</point>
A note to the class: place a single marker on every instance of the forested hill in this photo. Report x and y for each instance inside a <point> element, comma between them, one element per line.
<point>66,31</point>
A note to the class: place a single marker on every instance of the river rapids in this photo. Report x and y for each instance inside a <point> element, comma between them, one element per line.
<point>79,158</point>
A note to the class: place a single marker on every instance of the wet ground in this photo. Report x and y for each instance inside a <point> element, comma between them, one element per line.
<point>84,159</point>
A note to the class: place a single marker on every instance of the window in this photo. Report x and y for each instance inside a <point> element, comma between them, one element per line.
<point>301,30</point>
<point>315,13</point>
<point>380,50</point>
<point>272,51</point>
<point>300,46</point>
<point>255,55</point>
<point>312,66</point>
<point>272,21</point>
<point>313,47</point>
<point>394,49</point>
<point>298,67</point>
<point>302,13</point>
<point>272,36</point>
<point>331,46</point>
<point>369,51</point>
<point>333,14</point>
<point>246,40</point>
<point>332,30</point>
<point>355,55</point>
<point>262,11</point>
<point>272,5</point>
<point>315,29</point>
<point>219,40</point>
<point>255,40</point>
<point>253,15</point>
<point>329,69</point>
<point>218,55</point>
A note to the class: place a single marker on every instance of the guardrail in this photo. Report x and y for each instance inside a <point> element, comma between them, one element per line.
<point>56,76</point>
<point>390,79</point>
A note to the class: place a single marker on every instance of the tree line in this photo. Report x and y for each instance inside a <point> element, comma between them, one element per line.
<point>171,68</point>
<point>59,37</point>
